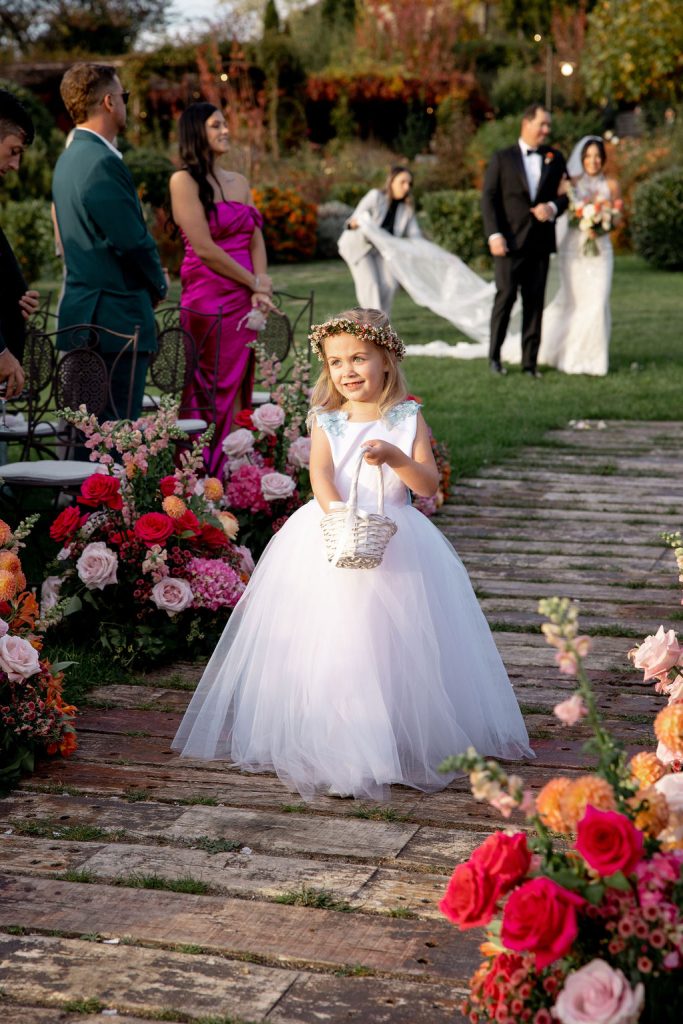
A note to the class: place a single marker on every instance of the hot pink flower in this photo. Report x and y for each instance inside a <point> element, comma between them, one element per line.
<point>609,841</point>
<point>540,917</point>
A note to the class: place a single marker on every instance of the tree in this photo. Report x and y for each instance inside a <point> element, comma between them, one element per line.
<point>34,27</point>
<point>634,50</point>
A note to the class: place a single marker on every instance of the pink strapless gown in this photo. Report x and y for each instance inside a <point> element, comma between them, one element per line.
<point>222,353</point>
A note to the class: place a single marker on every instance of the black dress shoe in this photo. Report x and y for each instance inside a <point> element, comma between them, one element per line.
<point>534,374</point>
<point>497,367</point>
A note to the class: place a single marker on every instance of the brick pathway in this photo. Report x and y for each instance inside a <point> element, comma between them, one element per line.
<point>187,892</point>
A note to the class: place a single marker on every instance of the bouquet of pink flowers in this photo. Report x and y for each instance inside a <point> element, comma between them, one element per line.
<point>590,928</point>
<point>34,717</point>
<point>147,564</point>
<point>593,218</point>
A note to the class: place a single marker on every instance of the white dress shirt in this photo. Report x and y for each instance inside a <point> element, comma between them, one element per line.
<point>105,141</point>
<point>533,165</point>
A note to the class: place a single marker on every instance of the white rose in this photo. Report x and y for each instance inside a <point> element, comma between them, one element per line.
<point>246,558</point>
<point>268,417</point>
<point>276,485</point>
<point>97,565</point>
<point>671,787</point>
<point>18,658</point>
<point>299,453</point>
<point>238,443</point>
<point>49,592</point>
<point>172,595</point>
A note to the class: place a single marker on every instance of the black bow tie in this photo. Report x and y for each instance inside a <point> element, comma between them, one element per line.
<point>533,152</point>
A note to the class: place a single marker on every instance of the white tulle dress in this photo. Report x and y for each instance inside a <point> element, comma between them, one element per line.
<point>352,679</point>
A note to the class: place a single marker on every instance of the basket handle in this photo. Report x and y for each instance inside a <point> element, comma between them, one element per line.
<point>353,493</point>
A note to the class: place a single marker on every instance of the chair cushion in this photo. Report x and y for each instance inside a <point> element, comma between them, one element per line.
<point>259,398</point>
<point>192,426</point>
<point>49,472</point>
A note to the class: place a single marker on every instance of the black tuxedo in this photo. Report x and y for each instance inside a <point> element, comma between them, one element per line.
<point>12,287</point>
<point>506,205</point>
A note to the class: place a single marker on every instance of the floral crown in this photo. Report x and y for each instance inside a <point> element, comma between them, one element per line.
<point>385,336</point>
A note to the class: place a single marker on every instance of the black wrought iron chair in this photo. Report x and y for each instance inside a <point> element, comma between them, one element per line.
<point>294,315</point>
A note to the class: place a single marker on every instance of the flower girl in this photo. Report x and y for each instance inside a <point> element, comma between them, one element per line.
<point>348,680</point>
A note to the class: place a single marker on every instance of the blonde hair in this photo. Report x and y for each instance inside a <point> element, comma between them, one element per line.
<point>326,398</point>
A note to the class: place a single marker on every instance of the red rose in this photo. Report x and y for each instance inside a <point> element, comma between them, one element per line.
<point>213,537</point>
<point>470,899</point>
<point>66,524</point>
<point>101,489</point>
<point>243,419</point>
<point>540,916</point>
<point>609,841</point>
<point>187,521</point>
<point>167,485</point>
<point>153,528</point>
<point>121,537</point>
<point>505,858</point>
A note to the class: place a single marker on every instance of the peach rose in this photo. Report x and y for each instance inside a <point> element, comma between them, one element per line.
<point>598,994</point>
<point>97,566</point>
<point>18,658</point>
<point>657,654</point>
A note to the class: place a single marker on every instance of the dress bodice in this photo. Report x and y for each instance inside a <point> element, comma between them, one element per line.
<point>231,225</point>
<point>592,186</point>
<point>398,427</point>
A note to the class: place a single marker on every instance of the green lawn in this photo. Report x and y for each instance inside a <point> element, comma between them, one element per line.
<point>483,418</point>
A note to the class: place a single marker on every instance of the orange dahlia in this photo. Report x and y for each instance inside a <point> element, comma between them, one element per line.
<point>5,532</point>
<point>213,489</point>
<point>548,804</point>
<point>669,727</point>
<point>653,811</point>
<point>9,561</point>
<point>646,768</point>
<point>587,789</point>
<point>8,585</point>
<point>173,506</point>
<point>20,581</point>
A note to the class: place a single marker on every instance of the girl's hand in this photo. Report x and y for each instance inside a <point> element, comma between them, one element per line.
<point>378,452</point>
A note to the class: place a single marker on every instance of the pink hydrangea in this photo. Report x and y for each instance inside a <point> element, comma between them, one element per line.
<point>215,584</point>
<point>244,489</point>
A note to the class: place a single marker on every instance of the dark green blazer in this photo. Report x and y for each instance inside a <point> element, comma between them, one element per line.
<point>113,270</point>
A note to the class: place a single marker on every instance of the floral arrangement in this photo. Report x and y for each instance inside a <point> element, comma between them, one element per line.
<point>584,916</point>
<point>289,223</point>
<point>147,566</point>
<point>594,218</point>
<point>266,473</point>
<point>34,717</point>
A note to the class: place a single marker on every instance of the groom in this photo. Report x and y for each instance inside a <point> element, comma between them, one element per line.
<point>520,203</point>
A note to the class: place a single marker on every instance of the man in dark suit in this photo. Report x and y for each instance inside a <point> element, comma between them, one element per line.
<point>520,203</point>
<point>17,303</point>
<point>114,277</point>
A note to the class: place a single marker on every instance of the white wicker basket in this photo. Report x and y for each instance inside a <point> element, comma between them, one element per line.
<point>357,539</point>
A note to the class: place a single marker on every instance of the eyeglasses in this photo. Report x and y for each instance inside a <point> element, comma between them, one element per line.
<point>125,96</point>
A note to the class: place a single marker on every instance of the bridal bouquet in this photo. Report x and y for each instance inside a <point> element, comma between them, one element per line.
<point>593,218</point>
<point>584,915</point>
<point>147,567</point>
<point>34,718</point>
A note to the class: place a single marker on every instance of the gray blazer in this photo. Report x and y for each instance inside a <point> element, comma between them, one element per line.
<point>353,245</point>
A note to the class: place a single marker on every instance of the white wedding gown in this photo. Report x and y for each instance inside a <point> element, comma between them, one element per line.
<point>576,324</point>
<point>355,679</point>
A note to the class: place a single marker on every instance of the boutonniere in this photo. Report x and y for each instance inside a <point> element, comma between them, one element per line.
<point>549,157</point>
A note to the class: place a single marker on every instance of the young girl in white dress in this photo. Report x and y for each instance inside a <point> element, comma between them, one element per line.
<point>350,680</point>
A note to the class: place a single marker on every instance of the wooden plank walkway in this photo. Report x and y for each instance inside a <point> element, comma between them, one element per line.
<point>188,892</point>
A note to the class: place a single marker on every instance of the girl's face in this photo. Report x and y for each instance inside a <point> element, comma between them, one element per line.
<point>592,161</point>
<point>401,185</point>
<point>357,368</point>
<point>217,134</point>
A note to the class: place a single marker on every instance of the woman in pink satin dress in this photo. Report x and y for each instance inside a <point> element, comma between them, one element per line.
<point>223,271</point>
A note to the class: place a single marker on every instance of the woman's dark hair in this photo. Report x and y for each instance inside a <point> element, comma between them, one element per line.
<point>195,152</point>
<point>394,173</point>
<point>599,144</point>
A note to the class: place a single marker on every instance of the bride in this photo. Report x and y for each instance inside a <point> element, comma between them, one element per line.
<point>576,324</point>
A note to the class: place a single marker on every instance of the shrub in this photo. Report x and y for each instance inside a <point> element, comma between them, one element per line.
<point>332,218</point>
<point>348,192</point>
<point>28,226</point>
<point>289,224</point>
<point>151,171</point>
<point>453,220</point>
<point>656,224</point>
<point>447,167</point>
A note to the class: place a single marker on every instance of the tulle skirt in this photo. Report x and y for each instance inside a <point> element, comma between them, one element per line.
<point>351,679</point>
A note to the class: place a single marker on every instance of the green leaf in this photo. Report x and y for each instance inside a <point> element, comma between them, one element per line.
<point>61,666</point>
<point>73,605</point>
<point>618,881</point>
<point>594,893</point>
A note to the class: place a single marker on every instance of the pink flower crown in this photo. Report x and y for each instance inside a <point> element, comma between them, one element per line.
<point>385,336</point>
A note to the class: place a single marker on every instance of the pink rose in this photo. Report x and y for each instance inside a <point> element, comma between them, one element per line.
<point>246,559</point>
<point>572,710</point>
<point>172,595</point>
<point>97,566</point>
<point>18,658</point>
<point>4,628</point>
<point>238,443</point>
<point>268,418</point>
<point>608,842</point>
<point>299,453</point>
<point>657,654</point>
<point>49,592</point>
<point>598,994</point>
<point>275,486</point>
<point>540,917</point>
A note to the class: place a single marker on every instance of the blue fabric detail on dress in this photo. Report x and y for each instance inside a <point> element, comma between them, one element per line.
<point>333,423</point>
<point>398,413</point>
